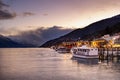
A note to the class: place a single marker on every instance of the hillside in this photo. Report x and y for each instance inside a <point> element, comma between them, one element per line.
<point>8,43</point>
<point>40,35</point>
<point>90,32</point>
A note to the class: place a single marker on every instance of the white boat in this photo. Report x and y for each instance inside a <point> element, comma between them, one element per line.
<point>84,52</point>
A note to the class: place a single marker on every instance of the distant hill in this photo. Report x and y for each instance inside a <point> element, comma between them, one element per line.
<point>8,43</point>
<point>92,31</point>
<point>39,36</point>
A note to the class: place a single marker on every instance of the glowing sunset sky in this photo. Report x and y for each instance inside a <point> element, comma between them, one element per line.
<point>33,14</point>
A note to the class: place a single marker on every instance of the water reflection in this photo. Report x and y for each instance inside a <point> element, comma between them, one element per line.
<point>85,61</point>
<point>46,64</point>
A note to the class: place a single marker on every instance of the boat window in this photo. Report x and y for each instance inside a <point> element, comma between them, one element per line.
<point>80,50</point>
<point>85,50</point>
<point>88,50</point>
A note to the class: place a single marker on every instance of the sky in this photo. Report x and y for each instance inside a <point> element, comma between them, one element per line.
<point>24,15</point>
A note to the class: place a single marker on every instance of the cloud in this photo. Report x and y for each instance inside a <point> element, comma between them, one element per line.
<point>41,35</point>
<point>28,14</point>
<point>5,14</point>
<point>45,14</point>
<point>2,4</point>
<point>6,31</point>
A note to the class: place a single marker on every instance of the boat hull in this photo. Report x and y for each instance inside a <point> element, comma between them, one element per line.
<point>86,56</point>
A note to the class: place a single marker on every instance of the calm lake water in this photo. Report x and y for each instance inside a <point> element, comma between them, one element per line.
<point>46,64</point>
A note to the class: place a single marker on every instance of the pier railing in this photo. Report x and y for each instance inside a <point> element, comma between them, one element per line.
<point>109,54</point>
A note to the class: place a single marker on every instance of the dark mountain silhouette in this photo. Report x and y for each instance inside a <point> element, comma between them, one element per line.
<point>8,43</point>
<point>92,31</point>
<point>39,36</point>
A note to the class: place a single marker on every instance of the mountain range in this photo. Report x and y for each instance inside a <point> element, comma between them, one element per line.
<point>39,36</point>
<point>90,32</point>
<point>8,43</point>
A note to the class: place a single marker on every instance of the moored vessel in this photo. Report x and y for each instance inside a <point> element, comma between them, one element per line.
<point>84,52</point>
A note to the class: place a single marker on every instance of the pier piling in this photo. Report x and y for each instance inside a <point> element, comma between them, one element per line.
<point>109,54</point>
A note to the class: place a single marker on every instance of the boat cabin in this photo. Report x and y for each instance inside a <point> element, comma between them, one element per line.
<point>84,50</point>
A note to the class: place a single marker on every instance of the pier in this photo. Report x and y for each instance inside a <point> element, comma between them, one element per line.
<point>109,54</point>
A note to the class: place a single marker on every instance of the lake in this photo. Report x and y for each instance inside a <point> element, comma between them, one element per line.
<point>47,64</point>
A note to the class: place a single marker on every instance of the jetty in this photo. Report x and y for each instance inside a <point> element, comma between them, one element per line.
<point>109,54</point>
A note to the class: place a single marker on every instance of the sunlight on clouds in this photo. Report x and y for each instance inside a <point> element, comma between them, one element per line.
<point>97,16</point>
<point>18,30</point>
<point>67,13</point>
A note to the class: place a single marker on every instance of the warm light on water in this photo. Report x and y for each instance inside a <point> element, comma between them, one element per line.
<point>46,64</point>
